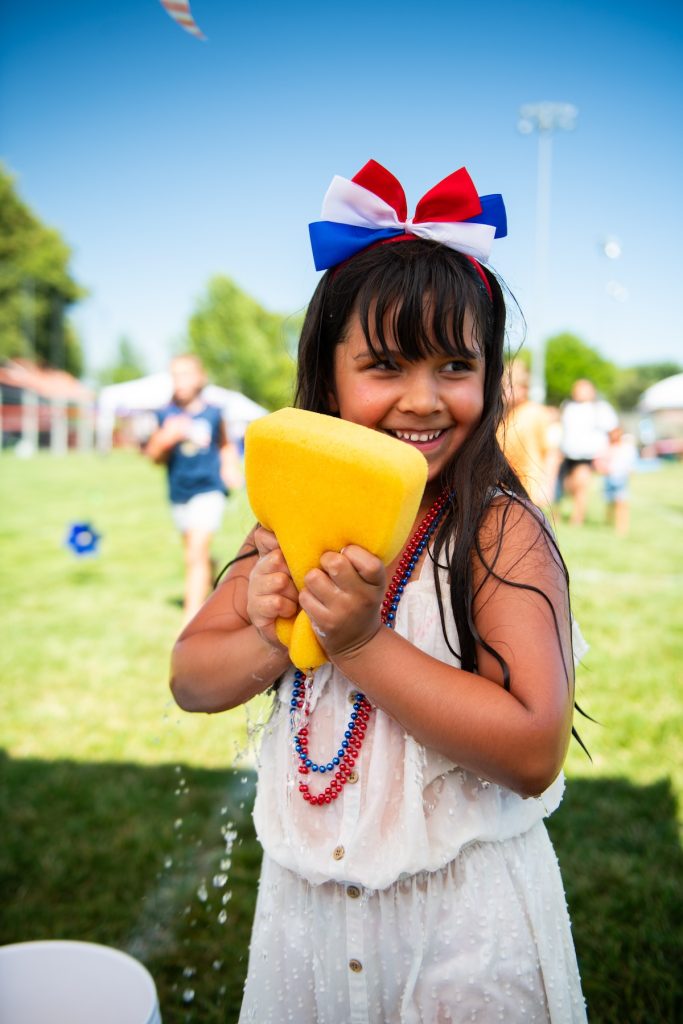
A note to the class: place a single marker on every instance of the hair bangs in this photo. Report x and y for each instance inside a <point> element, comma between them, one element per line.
<point>420,309</point>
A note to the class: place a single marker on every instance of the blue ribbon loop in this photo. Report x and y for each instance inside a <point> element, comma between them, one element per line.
<point>492,212</point>
<point>332,243</point>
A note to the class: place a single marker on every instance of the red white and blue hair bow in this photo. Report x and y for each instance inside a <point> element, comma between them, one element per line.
<point>371,207</point>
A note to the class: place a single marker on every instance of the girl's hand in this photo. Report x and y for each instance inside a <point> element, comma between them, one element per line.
<point>343,597</point>
<point>271,592</point>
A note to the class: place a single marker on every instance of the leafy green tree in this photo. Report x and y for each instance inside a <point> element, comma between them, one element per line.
<point>243,346</point>
<point>631,382</point>
<point>128,365</point>
<point>568,358</point>
<point>36,288</point>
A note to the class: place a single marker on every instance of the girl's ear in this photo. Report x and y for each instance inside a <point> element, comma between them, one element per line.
<point>332,402</point>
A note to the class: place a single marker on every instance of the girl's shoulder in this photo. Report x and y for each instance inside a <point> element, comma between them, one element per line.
<point>503,501</point>
<point>515,534</point>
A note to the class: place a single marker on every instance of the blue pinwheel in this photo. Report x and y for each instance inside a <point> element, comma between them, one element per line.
<point>82,539</point>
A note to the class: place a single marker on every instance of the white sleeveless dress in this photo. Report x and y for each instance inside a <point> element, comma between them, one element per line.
<point>421,895</point>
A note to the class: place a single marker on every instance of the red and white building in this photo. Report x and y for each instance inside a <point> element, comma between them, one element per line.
<point>42,407</point>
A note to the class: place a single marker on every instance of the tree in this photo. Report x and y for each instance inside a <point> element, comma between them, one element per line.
<point>129,365</point>
<point>243,346</point>
<point>631,382</point>
<point>568,358</point>
<point>36,288</point>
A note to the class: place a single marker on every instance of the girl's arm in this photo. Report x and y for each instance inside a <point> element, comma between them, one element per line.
<point>229,651</point>
<point>517,738</point>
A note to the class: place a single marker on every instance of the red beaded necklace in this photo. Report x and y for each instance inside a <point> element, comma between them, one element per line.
<point>349,749</point>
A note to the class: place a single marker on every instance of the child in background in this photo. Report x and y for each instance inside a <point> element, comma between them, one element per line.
<point>616,464</point>
<point>527,437</point>
<point>193,444</point>
<point>407,873</point>
<point>586,421</point>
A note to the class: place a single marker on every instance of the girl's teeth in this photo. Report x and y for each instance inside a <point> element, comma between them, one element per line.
<point>403,435</point>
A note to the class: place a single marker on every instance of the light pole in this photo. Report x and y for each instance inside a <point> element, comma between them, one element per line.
<point>543,118</point>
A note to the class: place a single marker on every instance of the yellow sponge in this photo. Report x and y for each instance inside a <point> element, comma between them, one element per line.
<point>320,483</point>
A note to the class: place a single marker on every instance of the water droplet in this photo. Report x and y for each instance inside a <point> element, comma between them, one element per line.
<point>217,964</point>
<point>177,769</point>
<point>202,892</point>
<point>244,780</point>
<point>219,880</point>
<point>226,897</point>
<point>188,995</point>
<point>168,862</point>
<point>222,916</point>
<point>178,823</point>
<point>189,972</point>
<point>226,863</point>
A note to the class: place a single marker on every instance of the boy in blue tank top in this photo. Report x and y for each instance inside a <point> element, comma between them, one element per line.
<point>192,442</point>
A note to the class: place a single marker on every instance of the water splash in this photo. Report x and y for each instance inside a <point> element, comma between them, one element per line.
<point>197,870</point>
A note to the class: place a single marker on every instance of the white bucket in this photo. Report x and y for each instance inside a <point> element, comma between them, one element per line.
<point>61,982</point>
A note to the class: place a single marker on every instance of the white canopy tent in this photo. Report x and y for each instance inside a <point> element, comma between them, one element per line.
<point>664,395</point>
<point>146,394</point>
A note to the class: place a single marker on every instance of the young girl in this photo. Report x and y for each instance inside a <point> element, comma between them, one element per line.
<point>407,873</point>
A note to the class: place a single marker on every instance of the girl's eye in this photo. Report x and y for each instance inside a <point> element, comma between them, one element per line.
<point>384,364</point>
<point>458,366</point>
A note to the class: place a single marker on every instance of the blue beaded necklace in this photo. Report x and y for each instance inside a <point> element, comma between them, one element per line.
<point>349,748</point>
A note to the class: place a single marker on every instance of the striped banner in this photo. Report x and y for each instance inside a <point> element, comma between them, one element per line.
<point>179,10</point>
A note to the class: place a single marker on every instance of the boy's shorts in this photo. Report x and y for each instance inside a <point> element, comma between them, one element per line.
<point>203,512</point>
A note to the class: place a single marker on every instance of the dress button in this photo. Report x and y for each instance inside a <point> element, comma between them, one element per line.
<point>338,852</point>
<point>353,775</point>
<point>353,891</point>
<point>356,966</point>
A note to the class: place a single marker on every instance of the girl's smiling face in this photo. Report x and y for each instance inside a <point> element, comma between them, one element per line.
<point>432,403</point>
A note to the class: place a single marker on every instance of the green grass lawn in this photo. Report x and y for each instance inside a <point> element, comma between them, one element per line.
<point>127,822</point>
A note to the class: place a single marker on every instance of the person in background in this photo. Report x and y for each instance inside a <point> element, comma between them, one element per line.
<point>616,464</point>
<point>192,442</point>
<point>526,437</point>
<point>586,421</point>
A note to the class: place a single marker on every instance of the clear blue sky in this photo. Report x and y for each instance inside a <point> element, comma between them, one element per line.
<point>164,160</point>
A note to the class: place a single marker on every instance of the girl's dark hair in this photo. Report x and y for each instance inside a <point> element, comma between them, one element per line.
<point>419,292</point>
